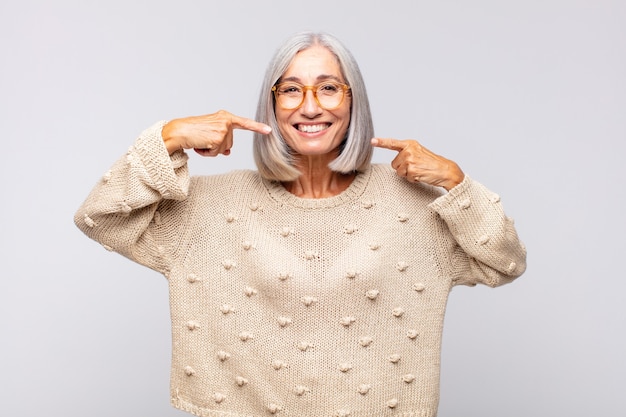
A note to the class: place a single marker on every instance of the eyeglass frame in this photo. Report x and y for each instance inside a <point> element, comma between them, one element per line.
<point>313,88</point>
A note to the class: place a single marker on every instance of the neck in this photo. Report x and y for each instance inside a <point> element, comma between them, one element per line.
<point>318,181</point>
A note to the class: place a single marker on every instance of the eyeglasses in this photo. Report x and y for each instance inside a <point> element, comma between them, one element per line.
<point>329,94</point>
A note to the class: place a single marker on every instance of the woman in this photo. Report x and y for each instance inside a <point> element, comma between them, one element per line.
<point>317,285</point>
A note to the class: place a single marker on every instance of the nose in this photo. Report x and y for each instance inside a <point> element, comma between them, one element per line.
<point>310,107</point>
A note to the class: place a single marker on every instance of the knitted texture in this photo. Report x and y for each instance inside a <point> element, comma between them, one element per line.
<point>301,307</point>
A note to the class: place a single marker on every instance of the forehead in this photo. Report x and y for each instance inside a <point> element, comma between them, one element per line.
<point>313,63</point>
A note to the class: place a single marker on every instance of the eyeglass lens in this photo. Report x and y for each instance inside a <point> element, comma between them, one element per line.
<point>291,95</point>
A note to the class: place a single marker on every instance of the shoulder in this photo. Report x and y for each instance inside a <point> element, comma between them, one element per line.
<point>238,178</point>
<point>385,181</point>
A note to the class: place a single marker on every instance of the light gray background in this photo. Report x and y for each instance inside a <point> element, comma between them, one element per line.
<point>529,97</point>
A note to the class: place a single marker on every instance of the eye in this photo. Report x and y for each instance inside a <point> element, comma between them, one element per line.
<point>290,89</point>
<point>328,89</point>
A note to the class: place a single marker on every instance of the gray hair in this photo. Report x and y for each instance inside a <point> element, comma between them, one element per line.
<point>271,153</point>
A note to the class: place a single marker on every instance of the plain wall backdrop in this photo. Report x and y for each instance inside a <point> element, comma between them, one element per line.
<point>529,97</point>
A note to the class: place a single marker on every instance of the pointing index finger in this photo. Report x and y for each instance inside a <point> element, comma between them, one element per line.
<point>387,143</point>
<point>249,124</point>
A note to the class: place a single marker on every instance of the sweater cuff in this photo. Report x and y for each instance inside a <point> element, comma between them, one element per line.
<point>456,193</point>
<point>167,174</point>
<point>470,210</point>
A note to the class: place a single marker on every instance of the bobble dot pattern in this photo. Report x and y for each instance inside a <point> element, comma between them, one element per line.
<point>345,367</point>
<point>227,309</point>
<point>392,403</point>
<point>351,274</point>
<point>304,346</point>
<point>395,358</point>
<point>365,341</point>
<point>372,294</point>
<point>245,336</point>
<point>511,267</point>
<point>402,266</point>
<point>193,325</point>
<point>309,301</point>
<point>364,389</point>
<point>347,321</point>
<point>310,255</point>
<point>89,221</point>
<point>125,208</point>
<point>350,229</point>
<point>412,334</point>
<point>284,321</point>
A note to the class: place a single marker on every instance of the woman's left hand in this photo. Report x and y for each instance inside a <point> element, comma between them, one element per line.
<point>417,164</point>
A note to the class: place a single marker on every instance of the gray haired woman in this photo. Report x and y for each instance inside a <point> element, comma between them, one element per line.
<point>316,285</point>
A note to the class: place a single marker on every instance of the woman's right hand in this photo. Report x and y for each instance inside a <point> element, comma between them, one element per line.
<point>208,135</point>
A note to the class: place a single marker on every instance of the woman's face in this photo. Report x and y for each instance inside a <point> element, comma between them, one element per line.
<point>310,130</point>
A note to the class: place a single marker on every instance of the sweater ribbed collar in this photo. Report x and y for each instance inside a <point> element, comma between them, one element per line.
<point>278,193</point>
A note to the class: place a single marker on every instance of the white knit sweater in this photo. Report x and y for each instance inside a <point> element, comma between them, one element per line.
<point>301,307</point>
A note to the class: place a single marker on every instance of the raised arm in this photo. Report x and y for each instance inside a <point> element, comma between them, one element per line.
<point>151,181</point>
<point>488,249</point>
<point>122,205</point>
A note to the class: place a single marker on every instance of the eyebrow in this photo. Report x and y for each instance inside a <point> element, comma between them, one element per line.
<point>322,77</point>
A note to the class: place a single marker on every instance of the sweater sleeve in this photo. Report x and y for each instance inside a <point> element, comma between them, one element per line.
<point>488,249</point>
<point>121,210</point>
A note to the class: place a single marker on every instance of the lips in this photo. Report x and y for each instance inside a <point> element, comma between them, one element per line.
<point>312,128</point>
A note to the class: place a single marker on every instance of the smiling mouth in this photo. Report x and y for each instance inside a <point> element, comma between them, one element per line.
<point>312,128</point>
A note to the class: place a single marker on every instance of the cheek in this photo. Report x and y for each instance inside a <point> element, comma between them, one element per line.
<point>282,120</point>
<point>283,116</point>
<point>346,119</point>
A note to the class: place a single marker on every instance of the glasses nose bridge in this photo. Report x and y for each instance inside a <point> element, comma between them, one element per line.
<point>313,89</point>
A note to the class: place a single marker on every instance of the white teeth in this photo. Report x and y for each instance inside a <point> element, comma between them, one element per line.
<point>312,128</point>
